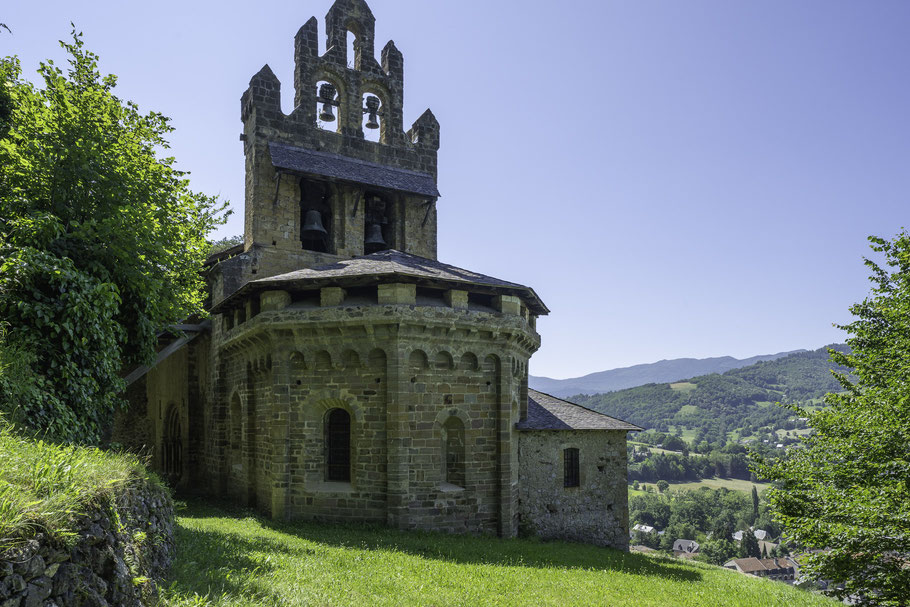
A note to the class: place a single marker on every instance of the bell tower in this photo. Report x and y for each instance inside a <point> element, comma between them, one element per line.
<point>339,176</point>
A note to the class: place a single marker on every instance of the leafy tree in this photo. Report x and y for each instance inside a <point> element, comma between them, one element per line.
<point>674,443</point>
<point>754,503</point>
<point>749,545</point>
<point>848,491</point>
<point>101,241</point>
<point>717,551</point>
<point>662,485</point>
<point>218,246</point>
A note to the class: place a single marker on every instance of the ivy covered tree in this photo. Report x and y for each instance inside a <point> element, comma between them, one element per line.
<point>101,241</point>
<point>847,493</point>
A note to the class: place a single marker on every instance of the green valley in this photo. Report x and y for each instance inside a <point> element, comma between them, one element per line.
<point>737,405</point>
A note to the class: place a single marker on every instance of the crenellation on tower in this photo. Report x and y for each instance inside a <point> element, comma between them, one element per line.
<point>356,17</point>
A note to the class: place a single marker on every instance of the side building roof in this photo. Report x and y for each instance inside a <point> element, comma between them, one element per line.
<point>547,412</point>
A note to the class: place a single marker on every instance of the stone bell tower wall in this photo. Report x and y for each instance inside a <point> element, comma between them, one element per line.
<point>275,194</point>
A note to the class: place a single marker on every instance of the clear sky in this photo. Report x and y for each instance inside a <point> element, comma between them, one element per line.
<point>673,178</point>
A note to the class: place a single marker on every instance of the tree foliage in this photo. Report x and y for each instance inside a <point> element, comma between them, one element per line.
<point>101,240</point>
<point>848,492</point>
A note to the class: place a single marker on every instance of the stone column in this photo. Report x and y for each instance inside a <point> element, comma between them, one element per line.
<point>397,433</point>
<point>277,426</point>
<point>507,503</point>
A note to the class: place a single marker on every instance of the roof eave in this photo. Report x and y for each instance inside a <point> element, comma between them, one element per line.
<point>267,284</point>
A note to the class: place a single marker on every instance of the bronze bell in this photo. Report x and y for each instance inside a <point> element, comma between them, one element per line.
<point>374,239</point>
<point>373,110</point>
<point>327,96</point>
<point>312,225</point>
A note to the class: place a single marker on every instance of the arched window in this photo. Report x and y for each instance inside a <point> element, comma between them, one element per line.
<point>172,454</point>
<point>338,446</point>
<point>572,475</point>
<point>453,451</point>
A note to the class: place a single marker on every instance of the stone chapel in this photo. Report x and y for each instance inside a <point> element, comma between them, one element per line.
<point>347,374</point>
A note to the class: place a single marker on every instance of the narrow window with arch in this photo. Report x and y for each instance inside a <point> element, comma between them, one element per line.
<point>338,446</point>
<point>172,455</point>
<point>351,42</point>
<point>453,451</point>
<point>572,472</point>
<point>235,426</point>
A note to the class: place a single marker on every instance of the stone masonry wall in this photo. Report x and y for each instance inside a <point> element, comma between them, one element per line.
<point>596,512</point>
<point>400,372</point>
<point>123,550</point>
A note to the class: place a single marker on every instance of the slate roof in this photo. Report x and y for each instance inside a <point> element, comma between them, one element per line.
<point>756,566</point>
<point>387,265</point>
<point>343,168</point>
<point>749,565</point>
<point>685,546</point>
<point>547,412</point>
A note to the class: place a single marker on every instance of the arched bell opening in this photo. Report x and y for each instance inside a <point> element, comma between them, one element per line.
<point>373,118</point>
<point>378,233</point>
<point>315,216</point>
<point>328,106</point>
<point>172,447</point>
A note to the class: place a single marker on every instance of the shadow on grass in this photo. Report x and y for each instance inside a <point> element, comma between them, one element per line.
<point>232,551</point>
<point>214,564</point>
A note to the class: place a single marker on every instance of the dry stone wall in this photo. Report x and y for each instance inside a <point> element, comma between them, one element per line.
<point>123,550</point>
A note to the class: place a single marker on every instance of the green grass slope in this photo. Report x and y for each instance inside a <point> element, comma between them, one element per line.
<point>44,487</point>
<point>226,557</point>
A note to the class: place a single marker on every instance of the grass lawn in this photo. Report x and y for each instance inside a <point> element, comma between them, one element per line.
<point>734,484</point>
<point>654,449</point>
<point>230,557</point>
<point>683,386</point>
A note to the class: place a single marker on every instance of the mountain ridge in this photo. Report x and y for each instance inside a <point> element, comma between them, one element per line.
<point>662,371</point>
<point>740,401</point>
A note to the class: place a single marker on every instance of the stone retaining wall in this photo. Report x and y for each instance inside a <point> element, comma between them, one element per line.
<point>123,547</point>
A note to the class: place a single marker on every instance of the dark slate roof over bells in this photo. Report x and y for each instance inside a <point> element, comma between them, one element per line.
<point>547,412</point>
<point>387,266</point>
<point>342,168</point>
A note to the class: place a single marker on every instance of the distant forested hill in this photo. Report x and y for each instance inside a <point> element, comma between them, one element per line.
<point>639,375</point>
<point>712,405</point>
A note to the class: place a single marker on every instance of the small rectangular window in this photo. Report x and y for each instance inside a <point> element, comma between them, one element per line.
<point>572,476</point>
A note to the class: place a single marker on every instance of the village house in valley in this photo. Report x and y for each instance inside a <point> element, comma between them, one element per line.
<point>348,375</point>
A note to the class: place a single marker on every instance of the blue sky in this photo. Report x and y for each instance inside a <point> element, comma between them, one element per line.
<point>673,178</point>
